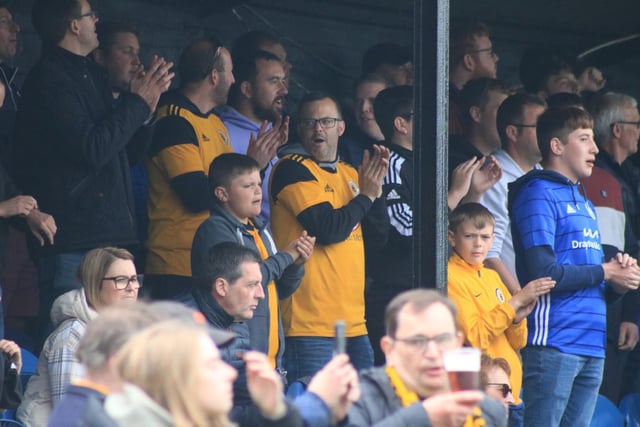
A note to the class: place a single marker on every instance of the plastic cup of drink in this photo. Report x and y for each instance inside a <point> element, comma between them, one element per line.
<point>463,368</point>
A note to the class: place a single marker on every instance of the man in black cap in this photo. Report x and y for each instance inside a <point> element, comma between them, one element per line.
<point>392,61</point>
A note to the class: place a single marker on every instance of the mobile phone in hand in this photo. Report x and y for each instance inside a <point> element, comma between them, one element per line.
<point>339,340</point>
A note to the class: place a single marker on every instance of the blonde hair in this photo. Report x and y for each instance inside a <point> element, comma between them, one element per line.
<point>161,361</point>
<point>94,266</point>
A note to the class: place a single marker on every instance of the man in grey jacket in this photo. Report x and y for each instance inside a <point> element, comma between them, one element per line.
<point>412,389</point>
<point>235,181</point>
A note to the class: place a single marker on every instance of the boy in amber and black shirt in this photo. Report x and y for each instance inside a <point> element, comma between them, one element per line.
<point>490,317</point>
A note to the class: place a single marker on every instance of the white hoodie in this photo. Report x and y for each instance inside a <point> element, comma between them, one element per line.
<point>57,364</point>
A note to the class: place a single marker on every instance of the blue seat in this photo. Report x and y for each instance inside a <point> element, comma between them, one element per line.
<point>295,389</point>
<point>29,365</point>
<point>606,414</point>
<point>8,418</point>
<point>630,409</point>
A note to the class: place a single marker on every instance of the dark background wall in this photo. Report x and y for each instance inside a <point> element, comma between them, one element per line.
<point>325,39</point>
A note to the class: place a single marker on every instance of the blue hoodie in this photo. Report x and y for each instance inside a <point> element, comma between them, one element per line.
<point>240,129</point>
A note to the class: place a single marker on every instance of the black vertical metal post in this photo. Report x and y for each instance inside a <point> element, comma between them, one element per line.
<point>431,56</point>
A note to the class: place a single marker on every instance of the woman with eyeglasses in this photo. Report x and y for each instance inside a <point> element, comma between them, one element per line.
<point>494,379</point>
<point>108,277</point>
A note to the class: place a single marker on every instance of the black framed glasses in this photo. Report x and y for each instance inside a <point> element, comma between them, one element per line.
<point>325,122</point>
<point>636,124</point>
<point>123,282</point>
<point>522,125</point>
<point>504,388</point>
<point>421,342</point>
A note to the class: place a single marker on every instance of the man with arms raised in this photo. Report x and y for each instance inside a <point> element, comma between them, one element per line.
<point>72,141</point>
<point>256,102</point>
<point>312,190</point>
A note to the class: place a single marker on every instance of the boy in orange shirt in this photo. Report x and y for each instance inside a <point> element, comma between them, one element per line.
<point>490,317</point>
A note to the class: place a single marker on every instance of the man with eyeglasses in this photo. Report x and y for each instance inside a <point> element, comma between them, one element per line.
<point>516,123</point>
<point>72,141</point>
<point>471,56</point>
<point>312,190</point>
<point>413,388</point>
<point>612,191</point>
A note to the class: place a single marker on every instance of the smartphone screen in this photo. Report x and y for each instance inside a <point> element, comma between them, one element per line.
<point>339,340</point>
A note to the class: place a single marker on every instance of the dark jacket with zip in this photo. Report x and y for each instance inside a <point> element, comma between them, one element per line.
<point>70,153</point>
<point>223,227</point>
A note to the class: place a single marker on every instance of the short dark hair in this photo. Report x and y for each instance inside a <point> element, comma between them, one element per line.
<point>480,215</point>
<point>252,41</point>
<point>223,260</point>
<point>198,59</point>
<point>392,102</point>
<point>227,166</point>
<point>558,123</point>
<point>385,53</point>
<point>540,63</point>
<point>245,68</point>
<point>318,96</point>
<point>476,94</point>
<point>462,38</point>
<point>51,18</point>
<point>418,300</point>
<point>107,31</point>
<point>511,111</point>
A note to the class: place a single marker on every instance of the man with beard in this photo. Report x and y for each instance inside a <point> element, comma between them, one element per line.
<point>256,103</point>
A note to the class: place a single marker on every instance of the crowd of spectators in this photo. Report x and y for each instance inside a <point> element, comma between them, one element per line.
<point>189,184</point>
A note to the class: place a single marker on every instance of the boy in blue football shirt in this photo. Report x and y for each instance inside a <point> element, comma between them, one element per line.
<point>555,233</point>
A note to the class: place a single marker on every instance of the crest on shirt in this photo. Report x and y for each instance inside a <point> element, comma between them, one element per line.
<point>224,136</point>
<point>500,295</point>
<point>590,211</point>
<point>354,188</point>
